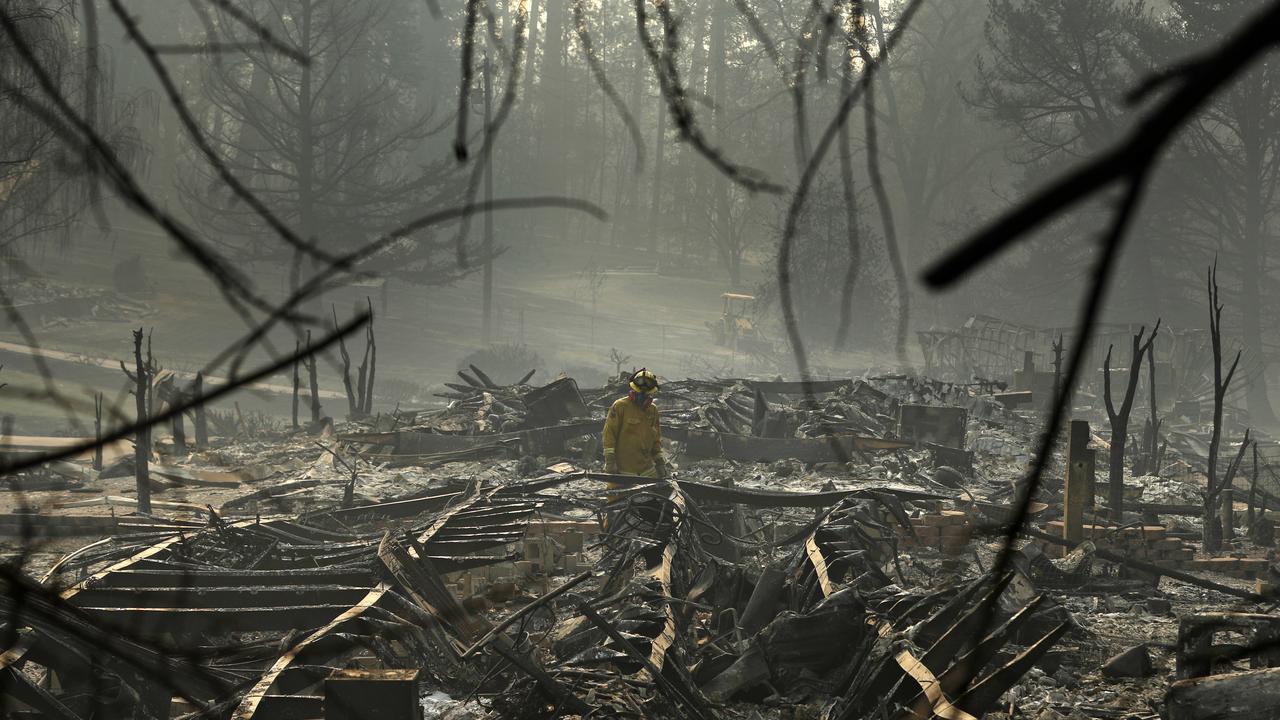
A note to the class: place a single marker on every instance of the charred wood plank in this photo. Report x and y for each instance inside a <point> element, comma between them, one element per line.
<point>1248,695</point>
<point>153,622</point>
<point>138,578</point>
<point>191,598</point>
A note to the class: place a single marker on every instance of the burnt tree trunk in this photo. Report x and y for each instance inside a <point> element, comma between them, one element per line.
<point>97,432</point>
<point>177,427</point>
<point>1220,384</point>
<point>1253,489</point>
<point>314,383</point>
<point>1226,503</point>
<point>1153,448</point>
<point>142,437</point>
<point>1120,418</point>
<point>352,410</point>
<point>297,381</point>
<point>199,420</point>
<point>372,351</point>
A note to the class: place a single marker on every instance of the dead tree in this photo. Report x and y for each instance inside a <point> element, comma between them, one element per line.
<point>1151,429</point>
<point>97,432</point>
<point>371,363</point>
<point>352,409</point>
<point>1120,419</point>
<point>1226,492</point>
<point>297,381</point>
<point>1220,384</point>
<point>1253,490</point>
<point>178,429</point>
<point>1057,367</point>
<point>199,420</point>
<point>142,438</point>
<point>314,383</point>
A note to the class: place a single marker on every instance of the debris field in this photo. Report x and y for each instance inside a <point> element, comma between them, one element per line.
<point>821,552</point>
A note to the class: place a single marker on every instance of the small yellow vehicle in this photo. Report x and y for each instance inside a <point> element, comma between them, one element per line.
<point>735,328</point>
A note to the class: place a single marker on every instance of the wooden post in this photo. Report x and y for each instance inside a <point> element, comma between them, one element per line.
<point>141,438</point>
<point>297,381</point>
<point>1076,488</point>
<point>201,422</point>
<point>97,432</point>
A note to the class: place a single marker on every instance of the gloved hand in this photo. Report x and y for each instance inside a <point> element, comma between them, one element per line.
<point>610,463</point>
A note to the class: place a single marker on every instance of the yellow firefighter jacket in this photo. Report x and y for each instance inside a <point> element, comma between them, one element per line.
<point>631,435</point>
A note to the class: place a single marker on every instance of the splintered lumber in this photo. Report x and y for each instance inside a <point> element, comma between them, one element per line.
<point>425,587</point>
<point>1249,695</point>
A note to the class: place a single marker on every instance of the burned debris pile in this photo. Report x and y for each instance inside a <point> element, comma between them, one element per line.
<point>821,554</point>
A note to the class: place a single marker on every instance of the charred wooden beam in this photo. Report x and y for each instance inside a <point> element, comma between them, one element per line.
<point>215,598</point>
<point>159,621</point>
<point>178,578</point>
<point>1253,694</point>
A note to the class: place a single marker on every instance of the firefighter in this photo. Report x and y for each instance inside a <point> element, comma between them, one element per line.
<point>632,441</point>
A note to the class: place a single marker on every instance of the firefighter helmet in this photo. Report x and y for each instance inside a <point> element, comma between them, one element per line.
<point>644,382</point>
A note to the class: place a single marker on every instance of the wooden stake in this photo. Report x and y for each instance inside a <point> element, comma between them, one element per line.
<point>1077,482</point>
